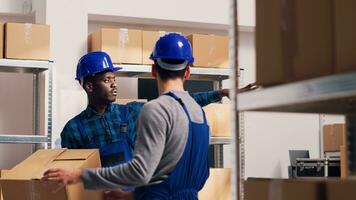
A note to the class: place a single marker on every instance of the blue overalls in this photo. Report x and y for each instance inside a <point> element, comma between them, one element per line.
<point>191,171</point>
<point>116,152</point>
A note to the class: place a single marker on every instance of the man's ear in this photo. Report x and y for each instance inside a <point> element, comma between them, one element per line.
<point>187,73</point>
<point>88,87</point>
<point>154,71</point>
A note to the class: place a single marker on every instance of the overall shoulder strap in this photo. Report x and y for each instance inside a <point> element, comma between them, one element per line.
<point>171,94</point>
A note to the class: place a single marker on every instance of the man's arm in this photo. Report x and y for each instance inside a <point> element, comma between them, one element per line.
<point>205,98</point>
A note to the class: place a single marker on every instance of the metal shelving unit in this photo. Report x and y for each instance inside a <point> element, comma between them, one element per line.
<point>335,94</point>
<point>197,73</point>
<point>37,68</point>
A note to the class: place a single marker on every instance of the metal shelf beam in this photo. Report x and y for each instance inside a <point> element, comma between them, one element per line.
<point>220,140</point>
<point>197,73</point>
<point>23,66</point>
<point>23,139</point>
<point>334,94</point>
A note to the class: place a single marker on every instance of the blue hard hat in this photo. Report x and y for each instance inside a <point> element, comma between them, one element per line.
<point>173,46</point>
<point>94,62</point>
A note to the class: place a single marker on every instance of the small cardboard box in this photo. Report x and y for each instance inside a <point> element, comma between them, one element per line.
<point>218,185</point>
<point>22,181</point>
<point>210,50</point>
<point>27,41</point>
<point>345,33</point>
<point>294,40</point>
<point>125,101</point>
<point>123,45</point>
<point>268,189</point>
<point>218,116</point>
<point>2,40</point>
<point>333,136</point>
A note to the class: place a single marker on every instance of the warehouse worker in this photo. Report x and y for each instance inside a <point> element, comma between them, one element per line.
<point>103,125</point>
<point>171,153</point>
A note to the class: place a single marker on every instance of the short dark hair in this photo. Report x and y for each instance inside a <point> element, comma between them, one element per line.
<point>168,74</point>
<point>91,78</point>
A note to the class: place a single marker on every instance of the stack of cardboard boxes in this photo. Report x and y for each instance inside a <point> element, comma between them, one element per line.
<point>130,46</point>
<point>24,41</point>
<point>297,40</point>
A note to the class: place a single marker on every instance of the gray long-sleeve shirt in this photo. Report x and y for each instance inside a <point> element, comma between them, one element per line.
<point>161,138</point>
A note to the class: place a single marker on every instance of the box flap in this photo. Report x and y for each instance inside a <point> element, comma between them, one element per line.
<point>75,154</point>
<point>33,165</point>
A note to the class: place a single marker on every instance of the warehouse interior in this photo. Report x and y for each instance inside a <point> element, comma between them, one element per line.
<point>278,120</point>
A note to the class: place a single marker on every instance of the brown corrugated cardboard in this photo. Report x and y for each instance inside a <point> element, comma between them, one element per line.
<point>218,185</point>
<point>125,101</point>
<point>343,160</point>
<point>345,33</point>
<point>123,45</point>
<point>218,116</point>
<point>22,182</point>
<point>27,41</point>
<point>2,40</point>
<point>284,189</point>
<point>341,189</point>
<point>333,136</point>
<point>149,39</point>
<point>210,50</point>
<point>294,40</point>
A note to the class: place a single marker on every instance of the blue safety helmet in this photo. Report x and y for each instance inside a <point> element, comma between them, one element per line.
<point>173,46</point>
<point>94,62</point>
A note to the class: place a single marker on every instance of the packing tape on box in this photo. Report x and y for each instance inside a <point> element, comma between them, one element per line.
<point>123,40</point>
<point>123,37</point>
<point>275,190</point>
<point>28,34</point>
<point>32,191</point>
<point>211,45</point>
<point>289,35</point>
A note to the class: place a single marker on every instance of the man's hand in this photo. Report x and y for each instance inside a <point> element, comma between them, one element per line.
<point>249,87</point>
<point>118,195</point>
<point>62,177</point>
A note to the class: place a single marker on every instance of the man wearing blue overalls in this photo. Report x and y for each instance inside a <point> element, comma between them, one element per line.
<point>109,127</point>
<point>170,160</point>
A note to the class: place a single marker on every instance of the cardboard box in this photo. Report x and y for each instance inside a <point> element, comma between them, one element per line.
<point>333,136</point>
<point>218,116</point>
<point>218,185</point>
<point>294,40</point>
<point>149,39</point>
<point>345,33</point>
<point>210,50</point>
<point>284,189</point>
<point>27,41</point>
<point>343,161</point>
<point>2,40</point>
<point>22,181</point>
<point>123,45</point>
<point>125,101</point>
<point>341,189</point>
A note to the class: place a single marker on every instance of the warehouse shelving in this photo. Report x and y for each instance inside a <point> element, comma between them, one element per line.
<point>37,68</point>
<point>217,75</point>
<point>335,94</point>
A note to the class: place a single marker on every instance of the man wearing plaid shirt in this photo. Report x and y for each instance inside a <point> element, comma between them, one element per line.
<point>109,127</point>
